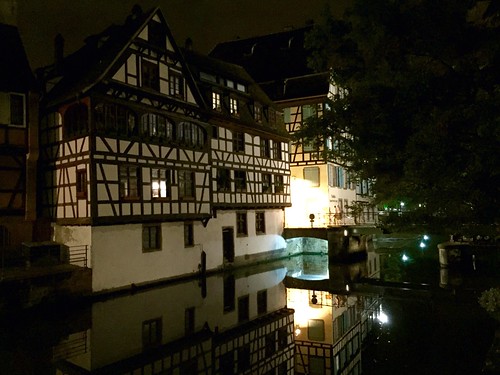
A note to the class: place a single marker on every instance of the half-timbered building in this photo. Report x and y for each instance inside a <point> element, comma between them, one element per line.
<point>322,192</point>
<point>249,157</point>
<point>18,144</point>
<point>132,164</point>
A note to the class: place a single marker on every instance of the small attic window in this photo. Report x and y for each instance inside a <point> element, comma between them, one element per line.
<point>241,87</point>
<point>156,34</point>
<point>208,77</point>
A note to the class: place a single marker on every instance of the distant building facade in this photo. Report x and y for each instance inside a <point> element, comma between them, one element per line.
<point>323,192</point>
<point>154,161</point>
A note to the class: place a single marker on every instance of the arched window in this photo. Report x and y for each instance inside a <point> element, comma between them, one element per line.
<point>76,120</point>
<point>157,127</point>
<point>115,119</point>
<point>191,135</point>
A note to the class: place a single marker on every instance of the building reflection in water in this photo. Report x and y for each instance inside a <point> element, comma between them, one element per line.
<point>242,326</point>
<point>249,321</point>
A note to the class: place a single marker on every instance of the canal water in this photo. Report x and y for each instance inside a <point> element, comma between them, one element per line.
<point>394,311</point>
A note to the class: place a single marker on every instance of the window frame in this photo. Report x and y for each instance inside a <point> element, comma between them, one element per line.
<point>162,175</point>
<point>260,222</point>
<point>238,142</point>
<point>150,75</point>
<point>240,180</point>
<point>151,238</point>
<point>279,184</point>
<point>186,184</point>
<point>124,175</point>
<point>241,224</point>
<point>176,84</point>
<point>188,234</point>
<point>17,109</point>
<point>81,183</point>
<point>223,180</point>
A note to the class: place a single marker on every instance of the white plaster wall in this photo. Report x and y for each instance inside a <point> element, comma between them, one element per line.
<point>74,235</point>
<point>118,259</point>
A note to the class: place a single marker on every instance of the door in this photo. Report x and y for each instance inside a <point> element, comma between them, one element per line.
<point>228,244</point>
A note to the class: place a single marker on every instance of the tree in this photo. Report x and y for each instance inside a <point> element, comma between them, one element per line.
<point>419,105</point>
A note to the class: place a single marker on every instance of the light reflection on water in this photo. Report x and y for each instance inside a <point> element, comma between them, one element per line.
<point>340,323</point>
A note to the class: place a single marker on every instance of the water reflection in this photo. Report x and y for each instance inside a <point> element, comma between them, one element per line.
<point>304,315</point>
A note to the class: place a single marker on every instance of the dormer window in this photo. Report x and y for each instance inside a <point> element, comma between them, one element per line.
<point>234,107</point>
<point>257,113</point>
<point>216,103</point>
<point>156,34</point>
<point>150,75</point>
<point>241,87</point>
<point>176,85</point>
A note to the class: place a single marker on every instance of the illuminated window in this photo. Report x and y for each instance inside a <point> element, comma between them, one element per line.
<point>234,107</point>
<point>129,182</point>
<point>17,110</point>
<point>311,174</point>
<point>216,103</point>
<point>241,224</point>
<point>151,237</point>
<point>150,77</point>
<point>161,183</point>
<point>176,85</point>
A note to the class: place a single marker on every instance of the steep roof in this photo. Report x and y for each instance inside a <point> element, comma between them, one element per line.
<point>15,72</point>
<point>278,62</point>
<point>85,68</point>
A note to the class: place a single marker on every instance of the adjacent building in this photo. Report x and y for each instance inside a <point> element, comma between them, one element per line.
<point>323,193</point>
<point>18,144</point>
<point>160,162</point>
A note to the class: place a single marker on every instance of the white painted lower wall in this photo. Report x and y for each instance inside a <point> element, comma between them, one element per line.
<point>118,260</point>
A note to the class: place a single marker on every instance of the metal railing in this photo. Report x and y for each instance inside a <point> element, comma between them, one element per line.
<point>78,255</point>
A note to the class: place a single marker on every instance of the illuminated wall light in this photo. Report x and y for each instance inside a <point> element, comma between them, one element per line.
<point>405,258</point>
<point>297,330</point>
<point>422,244</point>
<point>346,233</point>
<point>426,237</point>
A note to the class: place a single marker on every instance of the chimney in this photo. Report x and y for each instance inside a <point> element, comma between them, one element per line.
<point>58,51</point>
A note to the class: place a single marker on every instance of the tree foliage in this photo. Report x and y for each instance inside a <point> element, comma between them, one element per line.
<point>420,114</point>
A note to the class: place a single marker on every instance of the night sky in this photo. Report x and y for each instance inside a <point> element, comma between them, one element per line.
<point>206,22</point>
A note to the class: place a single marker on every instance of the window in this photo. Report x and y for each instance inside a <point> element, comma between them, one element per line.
<point>311,174</point>
<point>282,338</point>
<point>262,302</point>
<point>243,309</point>
<point>115,119</point>
<point>272,117</point>
<point>81,183</point>
<point>229,292</point>
<point>308,111</point>
<point>277,150</point>
<point>244,359</point>
<point>17,113</point>
<point>234,107</point>
<point>129,182</point>
<point>151,333</point>
<point>336,176</point>
<point>238,142</point>
<point>241,224</point>
<point>260,222</point>
<point>223,179</point>
<point>240,181</point>
<point>257,113</point>
<point>188,234</point>
<point>265,148</point>
<point>270,342</point>
<point>191,135</point>
<point>161,183</point>
<point>76,120</point>
<point>316,330</point>
<point>189,321</point>
<point>156,34</point>
<point>216,101</point>
<point>278,184</point>
<point>186,184</point>
<point>176,85</point>
<point>151,237</point>
<point>266,183</point>
<point>150,75</point>
<point>156,126</point>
